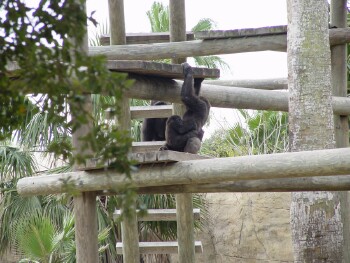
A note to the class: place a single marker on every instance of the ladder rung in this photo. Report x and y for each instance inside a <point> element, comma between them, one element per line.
<point>161,215</point>
<point>147,146</point>
<point>161,111</point>
<point>167,247</point>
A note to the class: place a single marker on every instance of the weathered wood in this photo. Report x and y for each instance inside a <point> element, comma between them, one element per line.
<point>129,227</point>
<point>207,47</point>
<point>145,38</point>
<point>220,96</point>
<point>245,32</point>
<point>160,215</point>
<point>338,18</point>
<point>164,157</point>
<point>267,84</point>
<point>85,214</point>
<point>326,183</point>
<point>146,146</point>
<point>161,111</point>
<point>166,247</point>
<point>281,165</point>
<point>185,227</point>
<point>158,69</point>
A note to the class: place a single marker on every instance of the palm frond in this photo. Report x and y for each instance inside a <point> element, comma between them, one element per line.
<point>35,237</point>
<point>204,24</point>
<point>16,162</point>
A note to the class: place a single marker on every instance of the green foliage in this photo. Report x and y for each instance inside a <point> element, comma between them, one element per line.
<point>218,145</point>
<point>38,239</point>
<point>45,79</point>
<point>51,62</point>
<point>260,132</point>
<point>15,162</point>
<point>159,17</point>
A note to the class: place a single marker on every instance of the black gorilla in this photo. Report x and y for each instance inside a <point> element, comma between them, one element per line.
<point>154,129</point>
<point>186,134</point>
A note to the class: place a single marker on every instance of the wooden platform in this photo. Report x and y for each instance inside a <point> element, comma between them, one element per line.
<point>246,32</point>
<point>166,247</point>
<point>150,157</point>
<point>165,157</point>
<point>173,71</point>
<point>144,38</point>
<point>160,215</point>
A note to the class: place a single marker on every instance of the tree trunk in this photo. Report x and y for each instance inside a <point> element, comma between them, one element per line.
<point>316,217</point>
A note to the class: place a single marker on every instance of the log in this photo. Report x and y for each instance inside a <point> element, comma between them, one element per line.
<point>145,38</point>
<point>281,165</point>
<point>326,183</point>
<point>267,84</point>
<point>220,96</point>
<point>129,226</point>
<point>193,48</point>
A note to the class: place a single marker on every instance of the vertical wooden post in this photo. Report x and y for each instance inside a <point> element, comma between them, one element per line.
<point>184,207</point>
<point>86,232</point>
<point>338,18</point>
<point>177,24</point>
<point>86,229</point>
<point>129,227</point>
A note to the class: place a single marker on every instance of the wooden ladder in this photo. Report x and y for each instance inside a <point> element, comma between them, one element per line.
<point>141,112</point>
<point>163,247</point>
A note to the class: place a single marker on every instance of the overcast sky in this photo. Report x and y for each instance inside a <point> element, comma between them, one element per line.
<point>227,14</point>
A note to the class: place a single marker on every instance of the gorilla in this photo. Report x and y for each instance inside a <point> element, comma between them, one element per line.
<point>186,134</point>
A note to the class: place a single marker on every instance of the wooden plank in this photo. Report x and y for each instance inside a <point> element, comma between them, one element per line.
<point>160,215</point>
<point>164,157</point>
<point>244,32</point>
<point>161,111</point>
<point>174,71</point>
<point>146,146</point>
<point>165,247</point>
<point>221,46</point>
<point>280,165</point>
<point>144,38</point>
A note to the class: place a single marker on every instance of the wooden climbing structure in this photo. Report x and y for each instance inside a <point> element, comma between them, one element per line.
<point>183,173</point>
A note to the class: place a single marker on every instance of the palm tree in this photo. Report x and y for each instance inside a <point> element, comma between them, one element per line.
<point>158,16</point>
<point>260,132</point>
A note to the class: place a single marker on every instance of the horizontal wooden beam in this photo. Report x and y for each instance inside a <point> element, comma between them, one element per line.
<point>207,47</point>
<point>144,38</point>
<point>165,247</point>
<point>220,96</point>
<point>282,165</point>
<point>161,111</point>
<point>266,84</point>
<point>325,183</point>
<point>160,215</point>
